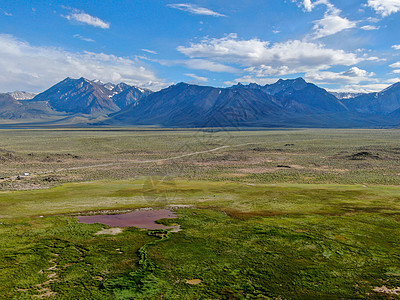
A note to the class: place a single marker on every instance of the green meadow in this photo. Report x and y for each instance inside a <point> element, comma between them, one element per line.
<point>300,214</point>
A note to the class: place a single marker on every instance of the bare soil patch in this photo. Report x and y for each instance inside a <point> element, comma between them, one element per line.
<point>111,231</point>
<point>386,290</point>
<point>194,281</point>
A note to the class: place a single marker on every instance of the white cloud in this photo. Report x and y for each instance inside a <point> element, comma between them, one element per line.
<point>395,65</point>
<point>372,58</point>
<point>373,20</point>
<point>250,79</point>
<point>149,51</point>
<point>194,9</point>
<point>353,75</point>
<point>331,24</point>
<point>267,59</point>
<point>357,72</point>
<point>393,80</point>
<point>363,88</point>
<point>396,47</point>
<point>197,78</point>
<point>200,64</point>
<point>370,27</point>
<point>78,36</point>
<point>309,5</point>
<point>82,17</point>
<point>33,68</point>
<point>263,70</point>
<point>385,7</point>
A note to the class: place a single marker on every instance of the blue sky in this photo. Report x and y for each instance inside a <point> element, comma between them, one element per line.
<point>344,45</point>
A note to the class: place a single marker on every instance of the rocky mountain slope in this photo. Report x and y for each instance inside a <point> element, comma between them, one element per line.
<point>83,96</point>
<point>381,103</point>
<point>286,103</point>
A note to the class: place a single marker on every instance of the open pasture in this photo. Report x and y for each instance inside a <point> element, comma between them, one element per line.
<point>299,214</point>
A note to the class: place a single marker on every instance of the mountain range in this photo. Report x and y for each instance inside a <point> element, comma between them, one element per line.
<point>286,103</point>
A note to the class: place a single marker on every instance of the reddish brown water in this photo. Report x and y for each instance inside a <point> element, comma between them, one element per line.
<point>139,218</point>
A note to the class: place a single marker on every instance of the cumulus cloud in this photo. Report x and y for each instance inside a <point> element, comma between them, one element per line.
<point>264,58</point>
<point>251,79</point>
<point>353,75</point>
<point>385,7</point>
<point>376,86</point>
<point>393,80</point>
<point>196,10</point>
<point>200,64</point>
<point>373,20</point>
<point>396,47</point>
<point>363,88</point>
<point>35,68</point>
<point>331,24</point>
<point>395,65</point>
<point>370,27</point>
<point>84,18</point>
<point>309,5</point>
<point>197,78</point>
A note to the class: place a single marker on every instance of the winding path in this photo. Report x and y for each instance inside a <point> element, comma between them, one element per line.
<point>142,161</point>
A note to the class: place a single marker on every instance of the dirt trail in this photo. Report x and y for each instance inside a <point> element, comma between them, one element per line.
<point>140,161</point>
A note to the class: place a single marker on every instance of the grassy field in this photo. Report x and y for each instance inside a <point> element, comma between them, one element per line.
<point>296,156</point>
<point>299,214</point>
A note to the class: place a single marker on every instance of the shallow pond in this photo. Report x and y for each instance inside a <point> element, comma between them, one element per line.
<point>140,218</point>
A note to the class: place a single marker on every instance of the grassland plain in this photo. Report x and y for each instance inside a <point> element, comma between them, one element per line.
<point>299,214</point>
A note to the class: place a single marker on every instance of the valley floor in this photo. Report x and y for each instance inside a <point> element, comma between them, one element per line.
<point>296,214</point>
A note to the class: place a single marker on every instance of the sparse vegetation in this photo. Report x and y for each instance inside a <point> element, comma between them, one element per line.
<point>325,228</point>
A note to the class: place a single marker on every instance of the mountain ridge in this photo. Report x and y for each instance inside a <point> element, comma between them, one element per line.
<point>285,103</point>
<point>83,96</point>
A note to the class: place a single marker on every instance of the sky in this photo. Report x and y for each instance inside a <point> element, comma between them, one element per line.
<point>341,45</point>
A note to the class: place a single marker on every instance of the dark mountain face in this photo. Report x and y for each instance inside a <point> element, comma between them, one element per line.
<point>120,87</point>
<point>129,95</point>
<point>14,109</point>
<point>174,104</point>
<point>301,97</point>
<point>191,105</point>
<point>79,96</point>
<point>384,102</point>
<point>286,103</point>
<point>8,105</point>
<point>282,86</point>
<point>237,107</point>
